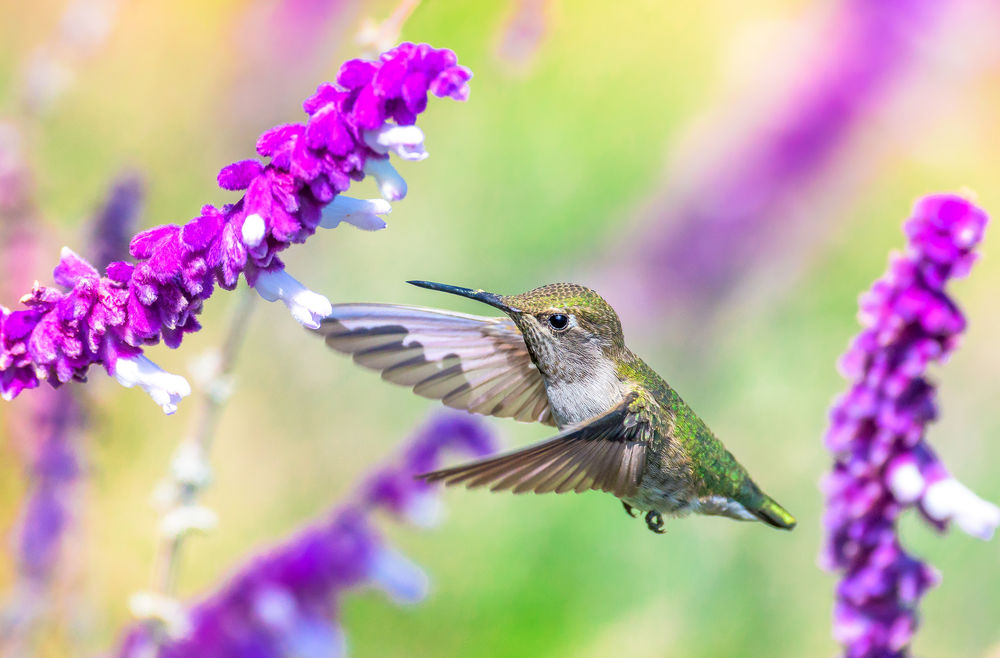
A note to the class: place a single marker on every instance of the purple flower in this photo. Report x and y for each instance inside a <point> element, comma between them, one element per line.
<point>522,33</point>
<point>54,470</point>
<point>284,601</point>
<point>882,461</point>
<point>351,126</point>
<point>114,222</point>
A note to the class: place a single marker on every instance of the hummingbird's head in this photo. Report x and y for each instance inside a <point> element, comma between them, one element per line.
<point>569,329</point>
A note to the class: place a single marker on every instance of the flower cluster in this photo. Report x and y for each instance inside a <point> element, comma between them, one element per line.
<point>351,128</point>
<point>284,601</point>
<point>882,461</point>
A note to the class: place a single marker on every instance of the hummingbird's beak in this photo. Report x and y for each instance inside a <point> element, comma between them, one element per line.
<point>479,295</point>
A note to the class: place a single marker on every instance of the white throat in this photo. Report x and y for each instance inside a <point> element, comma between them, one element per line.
<point>576,399</point>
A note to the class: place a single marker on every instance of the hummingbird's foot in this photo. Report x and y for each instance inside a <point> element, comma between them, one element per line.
<point>655,522</point>
<point>630,510</point>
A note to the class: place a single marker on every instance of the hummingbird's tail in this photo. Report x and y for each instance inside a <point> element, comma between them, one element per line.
<point>774,514</point>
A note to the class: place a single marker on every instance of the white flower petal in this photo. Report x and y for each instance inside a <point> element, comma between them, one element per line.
<point>391,185</point>
<point>398,577</point>
<point>405,141</point>
<point>424,510</point>
<point>950,500</point>
<point>363,213</point>
<point>275,607</point>
<point>165,388</point>
<point>189,466</point>
<point>253,230</point>
<point>166,610</point>
<point>315,638</point>
<point>306,306</point>
<point>905,480</point>
<point>186,519</point>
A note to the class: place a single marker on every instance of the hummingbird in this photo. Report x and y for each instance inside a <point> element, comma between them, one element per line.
<point>558,357</point>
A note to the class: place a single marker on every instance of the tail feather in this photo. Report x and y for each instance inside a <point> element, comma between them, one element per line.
<point>774,515</point>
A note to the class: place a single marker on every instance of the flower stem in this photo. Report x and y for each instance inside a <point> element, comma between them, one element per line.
<point>189,471</point>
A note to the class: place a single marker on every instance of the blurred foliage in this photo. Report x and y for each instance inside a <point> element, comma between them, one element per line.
<point>525,184</point>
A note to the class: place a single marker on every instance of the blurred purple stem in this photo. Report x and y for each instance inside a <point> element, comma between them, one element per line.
<point>522,33</point>
<point>693,244</point>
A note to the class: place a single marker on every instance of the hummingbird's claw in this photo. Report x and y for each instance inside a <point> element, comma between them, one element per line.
<point>655,522</point>
<point>630,510</point>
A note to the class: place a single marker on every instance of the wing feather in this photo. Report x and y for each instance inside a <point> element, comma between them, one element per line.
<point>606,453</point>
<point>468,362</point>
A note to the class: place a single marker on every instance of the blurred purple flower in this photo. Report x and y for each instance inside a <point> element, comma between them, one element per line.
<point>694,243</point>
<point>54,469</point>
<point>279,47</point>
<point>522,33</point>
<point>113,224</point>
<point>83,27</point>
<point>49,428</point>
<point>882,462</point>
<point>285,600</point>
<point>297,27</point>
<point>58,336</point>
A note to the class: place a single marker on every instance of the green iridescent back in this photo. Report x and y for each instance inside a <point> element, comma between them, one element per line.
<point>715,468</point>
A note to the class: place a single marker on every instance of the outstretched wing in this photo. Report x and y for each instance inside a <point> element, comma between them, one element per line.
<point>607,453</point>
<point>466,361</point>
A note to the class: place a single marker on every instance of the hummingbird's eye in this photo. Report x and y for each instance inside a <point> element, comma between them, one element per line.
<point>558,321</point>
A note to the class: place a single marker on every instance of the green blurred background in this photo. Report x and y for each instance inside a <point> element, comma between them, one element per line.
<point>527,183</point>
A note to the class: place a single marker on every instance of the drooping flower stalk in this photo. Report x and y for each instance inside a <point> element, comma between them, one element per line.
<point>351,128</point>
<point>190,469</point>
<point>883,463</point>
<point>702,232</point>
<point>285,601</point>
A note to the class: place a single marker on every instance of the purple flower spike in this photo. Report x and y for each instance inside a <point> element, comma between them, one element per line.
<point>284,601</point>
<point>696,241</point>
<point>351,128</point>
<point>882,461</point>
<point>116,219</point>
<point>54,471</point>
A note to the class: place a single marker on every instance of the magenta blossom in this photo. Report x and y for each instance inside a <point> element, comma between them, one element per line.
<point>351,128</point>
<point>883,463</point>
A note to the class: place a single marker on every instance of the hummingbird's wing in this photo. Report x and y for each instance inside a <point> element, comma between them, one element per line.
<point>468,362</point>
<point>607,453</point>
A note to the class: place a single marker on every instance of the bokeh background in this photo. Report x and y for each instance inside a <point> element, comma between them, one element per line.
<point>590,124</point>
